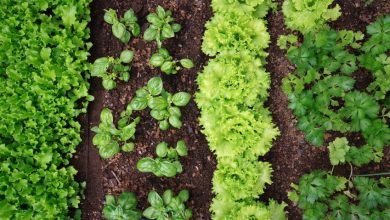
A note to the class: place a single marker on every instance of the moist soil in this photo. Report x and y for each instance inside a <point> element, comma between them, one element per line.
<point>291,156</point>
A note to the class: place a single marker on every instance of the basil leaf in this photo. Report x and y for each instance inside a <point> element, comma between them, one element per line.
<point>154,199</point>
<point>158,103</point>
<point>109,84</point>
<point>139,103</point>
<point>167,196</point>
<point>151,213</point>
<point>187,63</point>
<point>164,125</point>
<point>174,111</point>
<point>176,27</point>
<point>109,150</point>
<point>167,169</point>
<point>155,86</point>
<point>150,34</point>
<point>159,114</point>
<point>101,139</point>
<point>175,121</point>
<point>184,195</point>
<point>162,149</point>
<point>100,66</point>
<point>106,116</point>
<point>119,30</point>
<point>181,98</point>
<point>167,31</point>
<point>126,56</point>
<point>128,147</point>
<point>127,200</point>
<point>110,16</point>
<point>181,148</point>
<point>157,60</point>
<point>146,164</point>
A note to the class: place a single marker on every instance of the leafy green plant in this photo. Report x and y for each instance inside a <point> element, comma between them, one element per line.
<point>324,196</point>
<point>309,15</point>
<point>166,62</point>
<point>168,206</point>
<point>256,8</point>
<point>161,26</point>
<point>164,106</point>
<point>44,80</point>
<point>123,207</point>
<point>110,139</point>
<point>123,28</point>
<point>109,69</point>
<point>167,162</point>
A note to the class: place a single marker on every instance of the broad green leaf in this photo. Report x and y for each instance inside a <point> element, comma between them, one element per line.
<point>181,148</point>
<point>158,103</point>
<point>161,149</point>
<point>126,56</point>
<point>181,98</point>
<point>155,200</point>
<point>155,86</point>
<point>128,147</point>
<point>109,150</point>
<point>175,121</point>
<point>187,63</point>
<point>146,164</point>
<point>139,103</point>
<point>118,29</point>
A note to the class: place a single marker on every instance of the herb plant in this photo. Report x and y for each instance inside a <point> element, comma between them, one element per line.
<point>309,15</point>
<point>161,26</point>
<point>167,162</point>
<point>324,196</point>
<point>123,28</point>
<point>109,69</point>
<point>123,207</point>
<point>168,206</point>
<point>111,139</point>
<point>167,64</point>
<point>164,106</point>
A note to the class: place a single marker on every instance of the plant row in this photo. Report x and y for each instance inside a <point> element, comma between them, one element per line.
<point>232,90</point>
<point>43,64</point>
<point>113,137</point>
<point>324,97</point>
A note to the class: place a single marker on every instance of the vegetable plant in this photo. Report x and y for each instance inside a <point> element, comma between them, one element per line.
<point>167,162</point>
<point>123,207</point>
<point>161,26</point>
<point>123,28</point>
<point>309,15</point>
<point>111,139</point>
<point>325,196</point>
<point>110,69</point>
<point>166,62</point>
<point>164,106</point>
<point>168,206</point>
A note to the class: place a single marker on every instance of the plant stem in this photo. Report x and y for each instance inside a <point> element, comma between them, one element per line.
<point>374,174</point>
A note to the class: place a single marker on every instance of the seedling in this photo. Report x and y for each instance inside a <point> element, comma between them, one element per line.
<point>166,62</point>
<point>110,69</point>
<point>164,106</point>
<point>122,208</point>
<point>169,206</point>
<point>125,27</point>
<point>110,139</point>
<point>167,162</point>
<point>161,27</point>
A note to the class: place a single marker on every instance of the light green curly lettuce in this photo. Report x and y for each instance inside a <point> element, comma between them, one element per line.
<point>235,78</point>
<point>231,131</point>
<point>231,32</point>
<point>258,8</point>
<point>308,15</point>
<point>225,209</point>
<point>241,178</point>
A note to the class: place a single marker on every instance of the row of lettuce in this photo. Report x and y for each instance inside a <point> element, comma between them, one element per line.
<point>43,58</point>
<point>325,97</point>
<point>232,90</point>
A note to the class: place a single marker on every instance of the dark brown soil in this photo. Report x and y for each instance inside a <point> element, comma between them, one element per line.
<point>291,156</point>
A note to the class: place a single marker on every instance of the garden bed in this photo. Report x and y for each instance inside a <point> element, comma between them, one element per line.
<point>291,156</point>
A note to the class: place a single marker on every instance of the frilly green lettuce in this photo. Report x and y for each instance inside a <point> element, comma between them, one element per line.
<point>241,177</point>
<point>308,15</point>
<point>258,8</point>
<point>231,32</point>
<point>235,78</point>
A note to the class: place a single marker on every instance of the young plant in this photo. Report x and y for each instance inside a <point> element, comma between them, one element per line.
<point>168,206</point>
<point>164,106</point>
<point>166,62</point>
<point>161,27</point>
<point>110,139</point>
<point>324,196</point>
<point>125,27</point>
<point>167,162</point>
<point>122,208</point>
<point>109,69</point>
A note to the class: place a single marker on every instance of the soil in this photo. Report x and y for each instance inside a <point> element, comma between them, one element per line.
<point>291,156</point>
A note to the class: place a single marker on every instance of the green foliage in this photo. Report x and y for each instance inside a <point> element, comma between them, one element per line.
<point>110,139</point>
<point>168,206</point>
<point>257,8</point>
<point>109,69</point>
<point>161,26</point>
<point>42,68</point>
<point>309,15</point>
<point>123,28</point>
<point>232,90</point>
<point>167,162</point>
<point>122,208</point>
<point>167,64</point>
<point>322,95</point>
<point>164,106</point>
<point>235,32</point>
<point>324,196</point>
<point>375,57</point>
